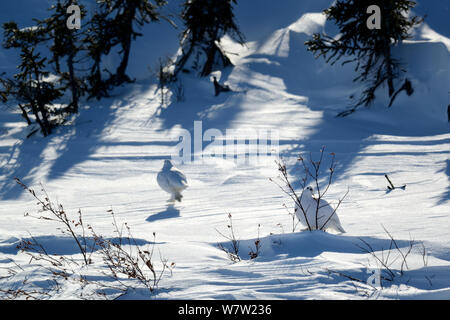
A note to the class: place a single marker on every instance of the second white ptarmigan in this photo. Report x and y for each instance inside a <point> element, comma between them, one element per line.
<point>172,180</point>
<point>309,204</point>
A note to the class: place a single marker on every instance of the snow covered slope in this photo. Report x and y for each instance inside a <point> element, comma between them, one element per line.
<point>110,155</point>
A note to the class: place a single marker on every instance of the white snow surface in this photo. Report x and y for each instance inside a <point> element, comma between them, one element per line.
<point>109,156</point>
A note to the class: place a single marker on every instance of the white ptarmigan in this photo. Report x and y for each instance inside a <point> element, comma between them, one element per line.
<point>309,204</point>
<point>172,180</point>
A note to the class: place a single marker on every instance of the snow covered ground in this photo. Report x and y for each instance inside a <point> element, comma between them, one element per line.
<point>109,156</point>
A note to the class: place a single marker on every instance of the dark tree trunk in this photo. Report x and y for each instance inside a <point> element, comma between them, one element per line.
<point>210,57</point>
<point>387,51</point>
<point>73,84</point>
<point>213,53</point>
<point>98,87</point>
<point>184,59</point>
<point>34,109</point>
<point>120,73</point>
<point>45,120</point>
<point>57,65</point>
<point>41,106</point>
<point>24,114</point>
<point>120,76</point>
<point>390,74</point>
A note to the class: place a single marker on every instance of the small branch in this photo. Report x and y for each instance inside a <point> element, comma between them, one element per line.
<point>335,209</point>
<point>392,185</point>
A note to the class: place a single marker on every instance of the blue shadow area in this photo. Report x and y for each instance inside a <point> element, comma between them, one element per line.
<point>169,213</point>
<point>446,195</point>
<point>76,143</point>
<point>63,245</point>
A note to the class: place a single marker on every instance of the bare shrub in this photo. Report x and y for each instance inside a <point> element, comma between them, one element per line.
<point>124,257</point>
<point>294,219</point>
<point>57,213</point>
<point>388,258</point>
<point>24,291</point>
<point>312,173</point>
<point>254,252</point>
<point>392,264</point>
<point>233,251</point>
<point>125,261</point>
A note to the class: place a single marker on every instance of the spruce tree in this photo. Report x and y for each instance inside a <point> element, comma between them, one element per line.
<point>65,44</point>
<point>370,49</point>
<point>34,94</point>
<point>98,41</point>
<point>123,15</point>
<point>206,22</point>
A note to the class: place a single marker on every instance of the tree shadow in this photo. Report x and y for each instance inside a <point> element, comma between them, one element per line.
<point>311,244</point>
<point>200,104</point>
<point>446,195</point>
<point>20,160</point>
<point>431,278</point>
<point>169,213</point>
<point>64,245</point>
<point>75,143</point>
<point>71,144</point>
<point>348,151</point>
<point>327,89</point>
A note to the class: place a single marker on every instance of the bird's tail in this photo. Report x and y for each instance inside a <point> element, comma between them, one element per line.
<point>339,228</point>
<point>335,224</point>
